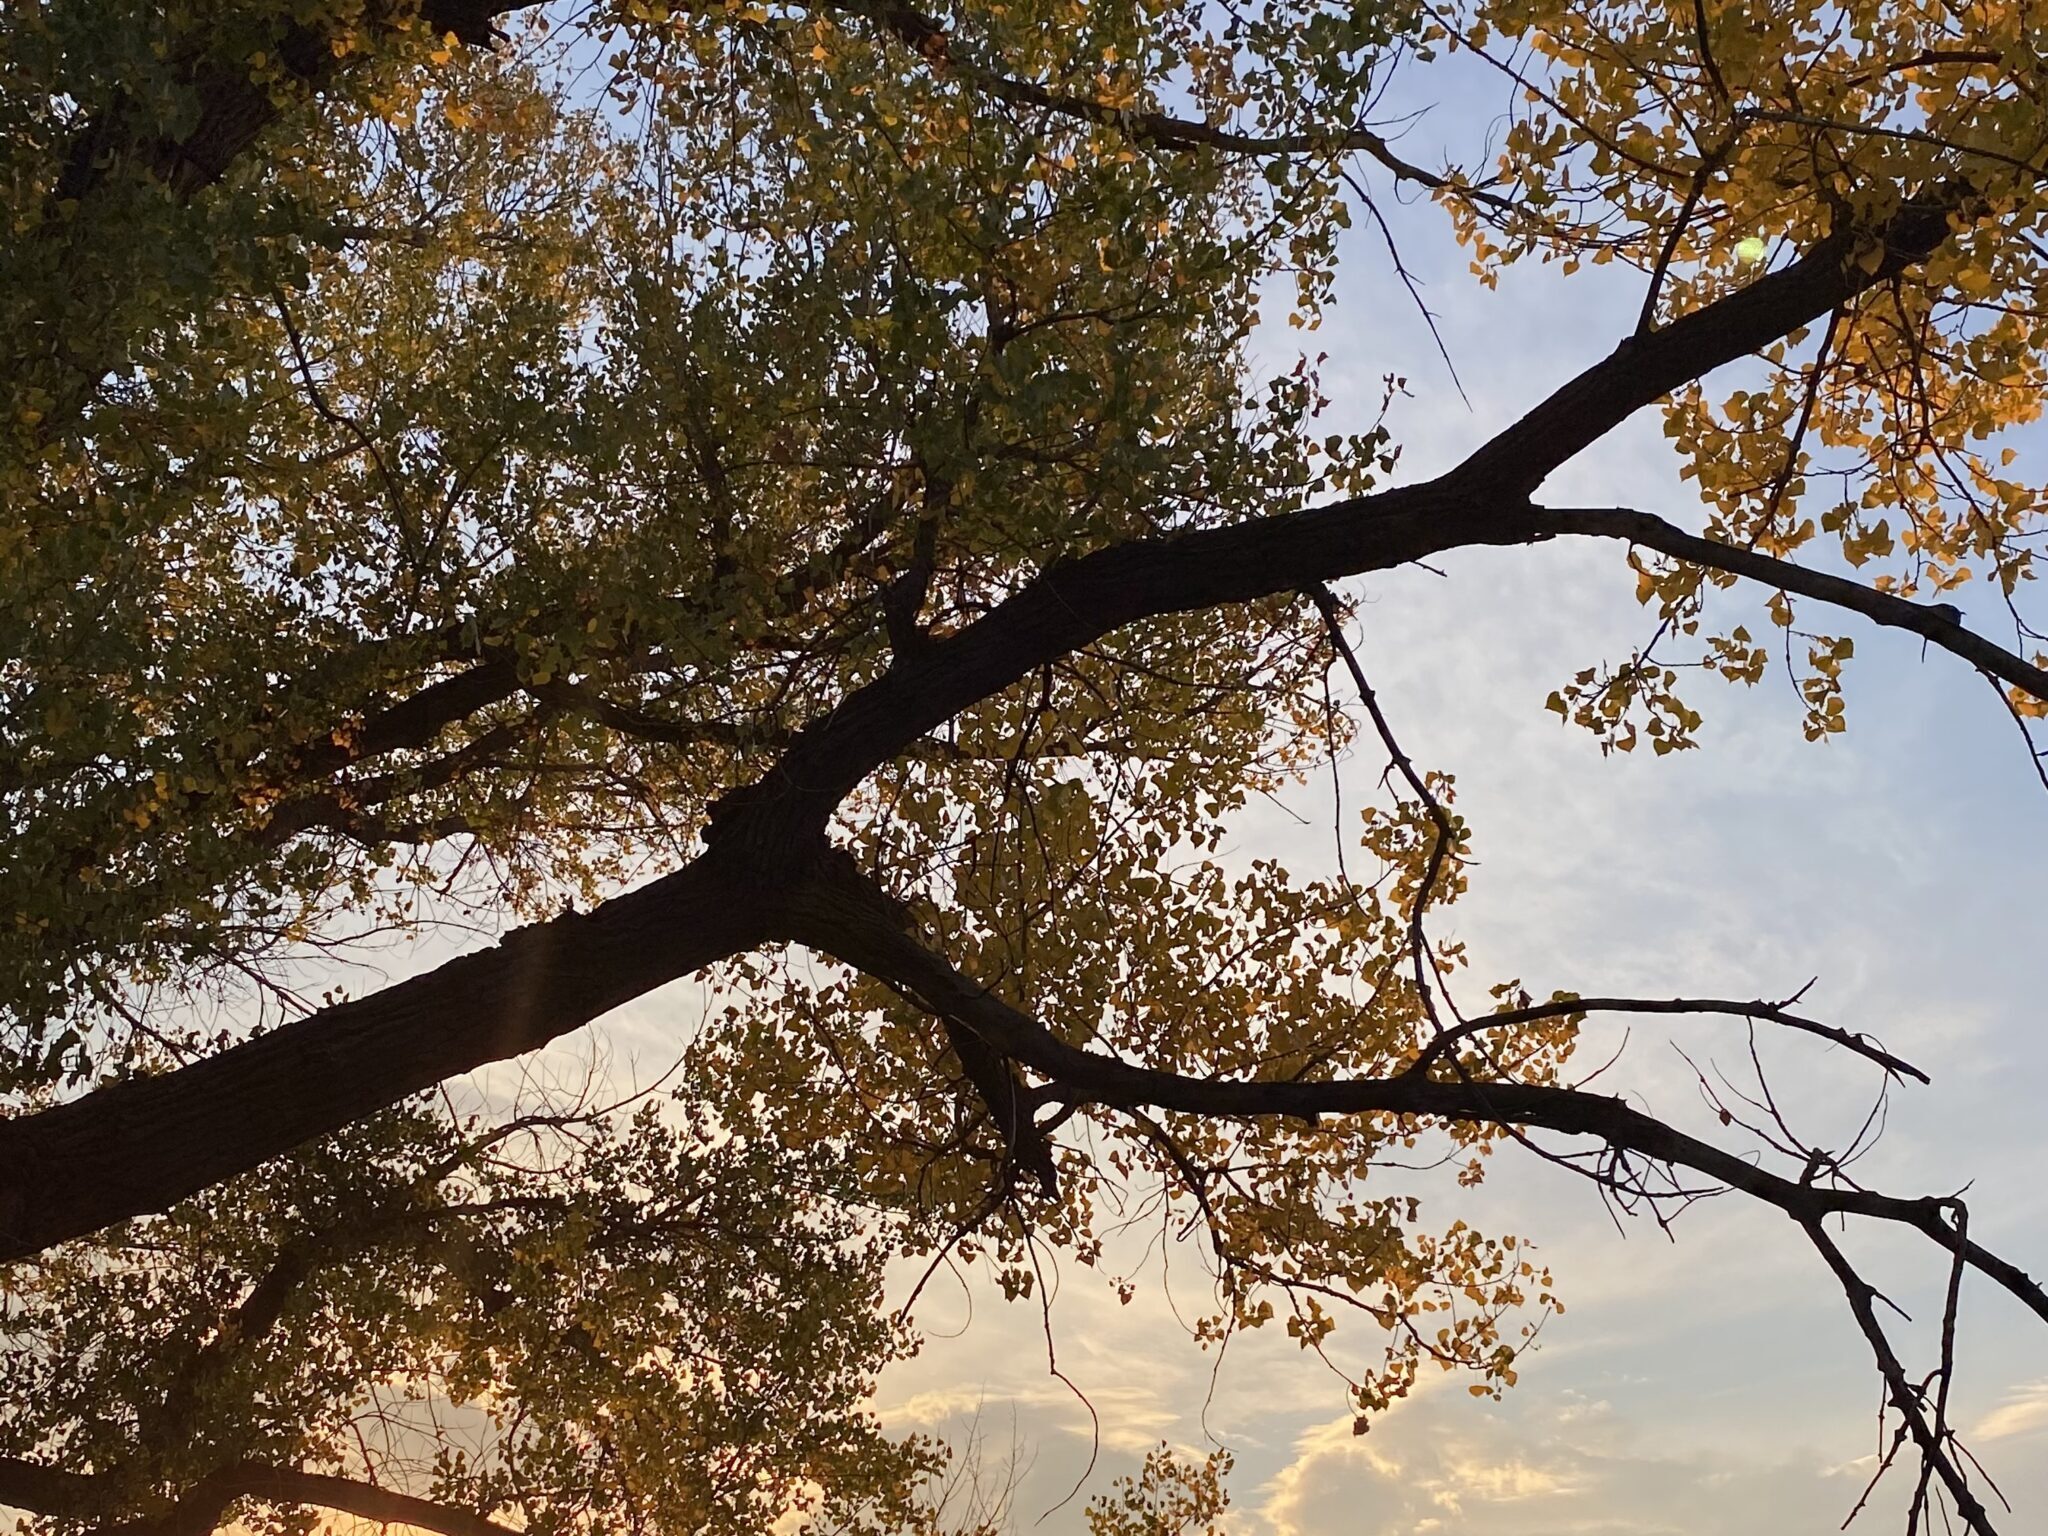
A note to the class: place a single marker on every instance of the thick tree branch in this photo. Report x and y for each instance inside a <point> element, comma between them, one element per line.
<point>233,109</point>
<point>127,141</point>
<point>1482,501</point>
<point>74,1495</point>
<point>282,1485</point>
<point>141,1146</point>
<point>996,1083</point>
<point>1647,366</point>
<point>144,1144</point>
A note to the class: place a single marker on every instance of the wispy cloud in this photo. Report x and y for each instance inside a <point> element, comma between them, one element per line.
<point>1438,1463</point>
<point>2024,1412</point>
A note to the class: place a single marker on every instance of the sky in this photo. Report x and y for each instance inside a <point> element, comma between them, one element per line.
<point>1709,1381</point>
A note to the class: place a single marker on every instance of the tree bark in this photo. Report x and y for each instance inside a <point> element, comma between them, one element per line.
<point>144,1144</point>
<point>82,1496</point>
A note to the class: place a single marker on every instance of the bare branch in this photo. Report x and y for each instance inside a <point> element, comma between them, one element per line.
<point>1935,624</point>
<point>840,913</point>
<point>1774,1013</point>
<point>1933,1451</point>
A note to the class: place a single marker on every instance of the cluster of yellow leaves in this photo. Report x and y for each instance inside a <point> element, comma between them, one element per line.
<point>1710,143</point>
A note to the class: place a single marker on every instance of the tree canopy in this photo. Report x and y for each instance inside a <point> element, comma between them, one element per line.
<point>788,493</point>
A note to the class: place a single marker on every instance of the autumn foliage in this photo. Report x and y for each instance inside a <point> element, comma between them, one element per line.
<point>787,494</point>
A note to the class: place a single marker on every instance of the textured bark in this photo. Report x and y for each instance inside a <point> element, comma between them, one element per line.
<point>202,1509</point>
<point>144,1144</point>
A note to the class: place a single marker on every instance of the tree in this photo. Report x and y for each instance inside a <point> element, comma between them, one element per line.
<point>825,507</point>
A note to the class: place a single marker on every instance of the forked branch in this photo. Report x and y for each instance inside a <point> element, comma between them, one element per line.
<point>843,915</point>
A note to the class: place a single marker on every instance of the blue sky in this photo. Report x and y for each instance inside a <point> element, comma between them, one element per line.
<point>1715,1382</point>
